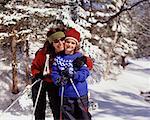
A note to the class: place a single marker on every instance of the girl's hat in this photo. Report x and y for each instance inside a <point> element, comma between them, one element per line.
<point>73,34</point>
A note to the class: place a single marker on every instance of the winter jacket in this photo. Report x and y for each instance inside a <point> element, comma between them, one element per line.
<point>38,64</point>
<point>79,78</point>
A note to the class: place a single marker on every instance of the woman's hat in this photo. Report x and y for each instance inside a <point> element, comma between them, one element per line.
<point>55,36</point>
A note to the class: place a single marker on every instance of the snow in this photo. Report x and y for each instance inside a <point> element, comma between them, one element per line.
<point>25,31</point>
<point>101,25</point>
<point>4,35</point>
<point>120,99</point>
<point>116,99</point>
<point>8,19</point>
<point>101,14</point>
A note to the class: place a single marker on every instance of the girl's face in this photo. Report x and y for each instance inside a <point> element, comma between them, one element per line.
<point>58,45</point>
<point>70,46</point>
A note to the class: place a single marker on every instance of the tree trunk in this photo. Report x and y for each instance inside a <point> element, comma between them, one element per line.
<point>15,89</point>
<point>109,56</point>
<point>27,61</point>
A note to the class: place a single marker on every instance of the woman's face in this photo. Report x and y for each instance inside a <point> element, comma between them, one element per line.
<point>70,46</point>
<point>58,45</point>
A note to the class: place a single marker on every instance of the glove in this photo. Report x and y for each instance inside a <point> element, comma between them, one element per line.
<point>65,76</point>
<point>62,81</point>
<point>39,76</point>
<point>79,62</point>
<point>68,73</point>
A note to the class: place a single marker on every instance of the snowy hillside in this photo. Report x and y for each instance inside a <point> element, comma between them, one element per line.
<point>121,100</point>
<point>117,100</point>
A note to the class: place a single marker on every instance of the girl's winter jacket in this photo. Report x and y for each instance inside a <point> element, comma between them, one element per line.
<point>65,61</point>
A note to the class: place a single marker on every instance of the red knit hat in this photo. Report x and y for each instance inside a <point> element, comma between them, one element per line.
<point>73,34</point>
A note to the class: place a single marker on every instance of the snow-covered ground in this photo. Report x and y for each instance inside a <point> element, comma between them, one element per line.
<point>117,99</point>
<point>121,100</point>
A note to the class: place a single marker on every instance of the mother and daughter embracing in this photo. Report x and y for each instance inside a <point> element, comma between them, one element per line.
<point>63,71</point>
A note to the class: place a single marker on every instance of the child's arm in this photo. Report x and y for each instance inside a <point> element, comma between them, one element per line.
<point>55,73</point>
<point>81,74</point>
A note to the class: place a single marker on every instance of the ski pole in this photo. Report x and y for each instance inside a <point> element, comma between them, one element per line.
<point>36,101</point>
<point>45,72</point>
<point>61,104</point>
<point>20,94</point>
<point>77,92</point>
<point>74,87</point>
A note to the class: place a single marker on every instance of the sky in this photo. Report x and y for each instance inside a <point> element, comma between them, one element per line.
<point>118,99</point>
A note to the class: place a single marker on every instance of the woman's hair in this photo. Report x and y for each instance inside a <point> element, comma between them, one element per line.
<point>49,48</point>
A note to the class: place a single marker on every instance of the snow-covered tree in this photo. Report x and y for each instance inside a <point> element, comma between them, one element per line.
<point>140,29</point>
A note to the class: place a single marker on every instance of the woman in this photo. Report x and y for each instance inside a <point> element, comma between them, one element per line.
<point>52,47</point>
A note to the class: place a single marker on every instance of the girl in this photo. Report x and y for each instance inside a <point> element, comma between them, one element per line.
<point>75,106</point>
